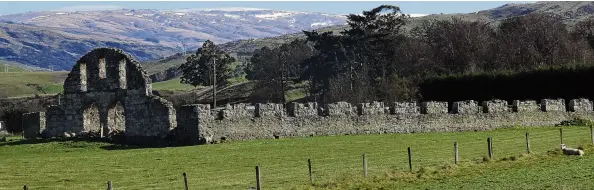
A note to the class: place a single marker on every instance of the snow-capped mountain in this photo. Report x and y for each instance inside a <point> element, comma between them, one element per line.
<point>59,38</point>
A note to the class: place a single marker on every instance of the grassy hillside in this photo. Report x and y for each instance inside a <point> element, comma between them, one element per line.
<point>16,84</point>
<point>172,85</point>
<point>17,67</point>
<point>152,67</point>
<point>11,68</point>
<point>31,83</point>
<point>336,163</point>
<point>571,11</point>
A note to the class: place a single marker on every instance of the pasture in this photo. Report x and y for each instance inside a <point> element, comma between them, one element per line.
<point>13,84</point>
<point>336,162</point>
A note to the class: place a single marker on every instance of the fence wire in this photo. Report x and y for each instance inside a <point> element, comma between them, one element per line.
<point>286,171</point>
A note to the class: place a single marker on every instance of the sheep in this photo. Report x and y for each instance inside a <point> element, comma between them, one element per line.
<point>571,151</point>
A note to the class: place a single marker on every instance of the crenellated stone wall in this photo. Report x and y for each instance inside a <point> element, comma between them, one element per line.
<point>399,117</point>
<point>581,104</point>
<point>495,106</point>
<point>553,105</point>
<point>298,109</point>
<point>525,106</point>
<point>433,107</point>
<point>373,108</point>
<point>108,92</point>
<point>404,108</point>
<point>466,107</point>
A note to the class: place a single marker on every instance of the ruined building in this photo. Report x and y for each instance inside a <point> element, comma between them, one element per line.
<point>107,91</point>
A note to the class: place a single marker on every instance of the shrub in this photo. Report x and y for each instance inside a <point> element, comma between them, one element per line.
<point>552,82</point>
<point>576,122</point>
<point>13,120</point>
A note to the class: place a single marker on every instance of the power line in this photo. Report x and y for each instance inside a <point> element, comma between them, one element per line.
<point>214,86</point>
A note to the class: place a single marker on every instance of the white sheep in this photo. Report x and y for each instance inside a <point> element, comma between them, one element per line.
<point>571,151</point>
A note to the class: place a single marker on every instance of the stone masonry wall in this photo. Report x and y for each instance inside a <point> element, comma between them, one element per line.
<point>495,106</point>
<point>404,108</point>
<point>525,106</point>
<point>298,109</point>
<point>107,91</point>
<point>466,107</point>
<point>550,105</point>
<point>340,119</point>
<point>581,104</point>
<point>434,107</point>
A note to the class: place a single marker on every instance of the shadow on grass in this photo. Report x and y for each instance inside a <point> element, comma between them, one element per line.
<point>41,141</point>
<point>113,145</point>
<point>126,147</point>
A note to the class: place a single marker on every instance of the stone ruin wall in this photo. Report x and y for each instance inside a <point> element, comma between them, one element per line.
<point>107,91</point>
<point>268,121</point>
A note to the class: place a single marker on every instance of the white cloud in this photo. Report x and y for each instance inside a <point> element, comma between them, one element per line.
<point>89,8</point>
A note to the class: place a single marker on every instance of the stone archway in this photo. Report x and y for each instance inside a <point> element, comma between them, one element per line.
<point>116,118</point>
<point>110,92</point>
<point>91,119</point>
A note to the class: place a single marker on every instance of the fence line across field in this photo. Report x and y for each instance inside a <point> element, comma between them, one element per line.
<point>378,158</point>
<point>310,168</point>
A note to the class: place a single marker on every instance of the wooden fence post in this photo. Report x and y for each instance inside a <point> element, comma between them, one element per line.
<point>490,147</point>
<point>185,180</point>
<point>456,153</point>
<point>25,187</point>
<point>109,187</point>
<point>591,134</point>
<point>364,165</point>
<point>258,185</point>
<point>561,134</point>
<point>310,175</point>
<point>528,142</point>
<point>409,160</point>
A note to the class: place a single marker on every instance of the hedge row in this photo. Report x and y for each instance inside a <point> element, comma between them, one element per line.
<point>555,82</point>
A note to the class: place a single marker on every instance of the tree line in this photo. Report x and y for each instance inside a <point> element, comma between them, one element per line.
<point>375,59</point>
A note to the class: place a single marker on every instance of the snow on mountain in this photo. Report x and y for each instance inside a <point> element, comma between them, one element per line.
<point>418,15</point>
<point>229,9</point>
<point>71,34</point>
<point>321,24</point>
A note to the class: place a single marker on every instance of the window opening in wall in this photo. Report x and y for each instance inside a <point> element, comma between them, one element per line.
<point>83,76</point>
<point>102,68</point>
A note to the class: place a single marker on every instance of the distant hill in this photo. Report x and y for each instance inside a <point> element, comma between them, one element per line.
<point>58,39</point>
<point>571,12</point>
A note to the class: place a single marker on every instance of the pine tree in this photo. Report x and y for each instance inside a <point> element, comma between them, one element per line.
<point>198,69</point>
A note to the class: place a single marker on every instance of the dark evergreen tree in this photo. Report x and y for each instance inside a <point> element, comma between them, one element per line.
<point>198,69</point>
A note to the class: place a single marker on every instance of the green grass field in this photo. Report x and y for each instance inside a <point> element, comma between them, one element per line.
<point>173,84</point>
<point>161,65</point>
<point>10,68</point>
<point>336,163</point>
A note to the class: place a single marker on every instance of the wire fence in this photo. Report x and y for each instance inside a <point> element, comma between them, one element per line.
<point>455,148</point>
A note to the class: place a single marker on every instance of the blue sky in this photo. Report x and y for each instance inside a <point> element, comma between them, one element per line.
<point>331,7</point>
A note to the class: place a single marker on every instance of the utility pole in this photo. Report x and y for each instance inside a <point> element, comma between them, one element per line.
<point>282,80</point>
<point>183,47</point>
<point>214,83</point>
<point>6,67</point>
